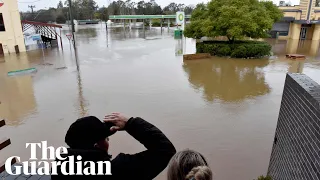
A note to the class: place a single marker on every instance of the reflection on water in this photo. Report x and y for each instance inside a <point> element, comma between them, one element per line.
<point>179,47</point>
<point>88,32</point>
<point>228,80</point>
<point>296,66</point>
<point>83,104</point>
<point>16,93</point>
<point>205,105</point>
<point>306,47</point>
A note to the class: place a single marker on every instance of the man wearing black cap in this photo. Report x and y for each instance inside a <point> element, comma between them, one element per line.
<point>88,137</point>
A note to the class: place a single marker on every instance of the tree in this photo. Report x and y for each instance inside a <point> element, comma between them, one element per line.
<point>61,19</point>
<point>272,10</point>
<point>181,7</point>
<point>83,9</point>
<point>43,15</point>
<point>194,29</point>
<point>234,19</point>
<point>88,9</point>
<point>140,7</point>
<point>172,8</point>
<point>188,9</point>
<point>60,5</point>
<point>102,14</point>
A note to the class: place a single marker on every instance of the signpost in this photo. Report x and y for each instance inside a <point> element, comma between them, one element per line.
<point>37,37</point>
<point>69,36</point>
<point>180,19</point>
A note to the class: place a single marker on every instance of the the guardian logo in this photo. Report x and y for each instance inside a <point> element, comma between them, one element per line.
<point>42,166</point>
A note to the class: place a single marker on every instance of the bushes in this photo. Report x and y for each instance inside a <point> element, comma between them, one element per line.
<point>239,52</point>
<point>156,22</point>
<point>60,19</point>
<point>237,49</point>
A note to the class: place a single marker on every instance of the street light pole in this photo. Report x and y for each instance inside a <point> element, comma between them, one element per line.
<point>72,23</point>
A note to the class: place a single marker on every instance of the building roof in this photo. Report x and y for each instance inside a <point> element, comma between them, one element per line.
<point>41,24</point>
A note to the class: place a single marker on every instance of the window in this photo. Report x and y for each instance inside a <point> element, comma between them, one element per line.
<point>2,28</point>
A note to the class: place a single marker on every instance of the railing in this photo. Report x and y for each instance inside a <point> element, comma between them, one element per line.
<point>4,142</point>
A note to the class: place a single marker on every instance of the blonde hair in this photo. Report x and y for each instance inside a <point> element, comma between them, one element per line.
<point>188,165</point>
<point>200,173</point>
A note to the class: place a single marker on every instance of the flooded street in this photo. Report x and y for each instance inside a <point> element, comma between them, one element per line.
<point>226,109</point>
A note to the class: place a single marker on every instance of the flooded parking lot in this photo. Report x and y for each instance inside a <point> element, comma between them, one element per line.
<point>225,108</point>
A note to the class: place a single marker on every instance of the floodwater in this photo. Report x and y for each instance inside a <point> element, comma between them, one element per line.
<point>227,109</point>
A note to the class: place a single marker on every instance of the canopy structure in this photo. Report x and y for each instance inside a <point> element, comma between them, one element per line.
<point>146,16</point>
<point>47,31</point>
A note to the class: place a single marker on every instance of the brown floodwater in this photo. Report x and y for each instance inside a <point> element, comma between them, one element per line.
<point>225,108</point>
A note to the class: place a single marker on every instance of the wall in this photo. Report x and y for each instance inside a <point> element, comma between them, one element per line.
<point>310,31</point>
<point>304,6</point>
<point>316,15</point>
<point>13,34</point>
<point>296,15</point>
<point>295,153</point>
<point>295,31</point>
<point>296,7</point>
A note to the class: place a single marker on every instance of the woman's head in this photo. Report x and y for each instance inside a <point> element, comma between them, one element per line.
<point>188,165</point>
<point>200,173</point>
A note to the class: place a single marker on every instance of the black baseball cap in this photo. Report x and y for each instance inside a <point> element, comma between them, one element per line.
<point>86,132</point>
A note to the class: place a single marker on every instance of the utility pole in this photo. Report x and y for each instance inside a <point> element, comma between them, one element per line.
<point>72,23</point>
<point>31,7</point>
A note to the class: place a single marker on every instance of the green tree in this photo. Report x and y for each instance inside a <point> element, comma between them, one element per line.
<point>195,29</point>
<point>172,8</point>
<point>234,19</point>
<point>87,9</point>
<point>188,9</point>
<point>61,19</point>
<point>102,14</point>
<point>83,9</point>
<point>141,7</point>
<point>60,5</point>
<point>272,10</point>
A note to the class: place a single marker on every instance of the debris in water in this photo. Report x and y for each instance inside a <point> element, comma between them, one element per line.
<point>22,72</point>
<point>61,68</point>
<point>296,56</point>
<point>47,64</point>
<point>153,38</point>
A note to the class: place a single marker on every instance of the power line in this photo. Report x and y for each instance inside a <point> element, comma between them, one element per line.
<point>30,1</point>
<point>31,7</point>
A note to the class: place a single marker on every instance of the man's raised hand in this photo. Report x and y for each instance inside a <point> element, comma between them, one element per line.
<point>118,120</point>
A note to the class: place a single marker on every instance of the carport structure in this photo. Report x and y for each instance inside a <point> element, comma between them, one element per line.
<point>47,31</point>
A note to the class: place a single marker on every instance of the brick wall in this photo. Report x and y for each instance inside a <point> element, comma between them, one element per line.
<point>296,148</point>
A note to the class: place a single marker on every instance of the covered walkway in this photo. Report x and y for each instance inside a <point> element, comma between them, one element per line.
<point>114,17</point>
<point>47,31</point>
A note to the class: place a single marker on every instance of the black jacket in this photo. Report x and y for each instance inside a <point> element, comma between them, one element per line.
<point>145,165</point>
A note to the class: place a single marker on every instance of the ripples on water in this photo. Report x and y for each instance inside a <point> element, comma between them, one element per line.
<point>227,109</point>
